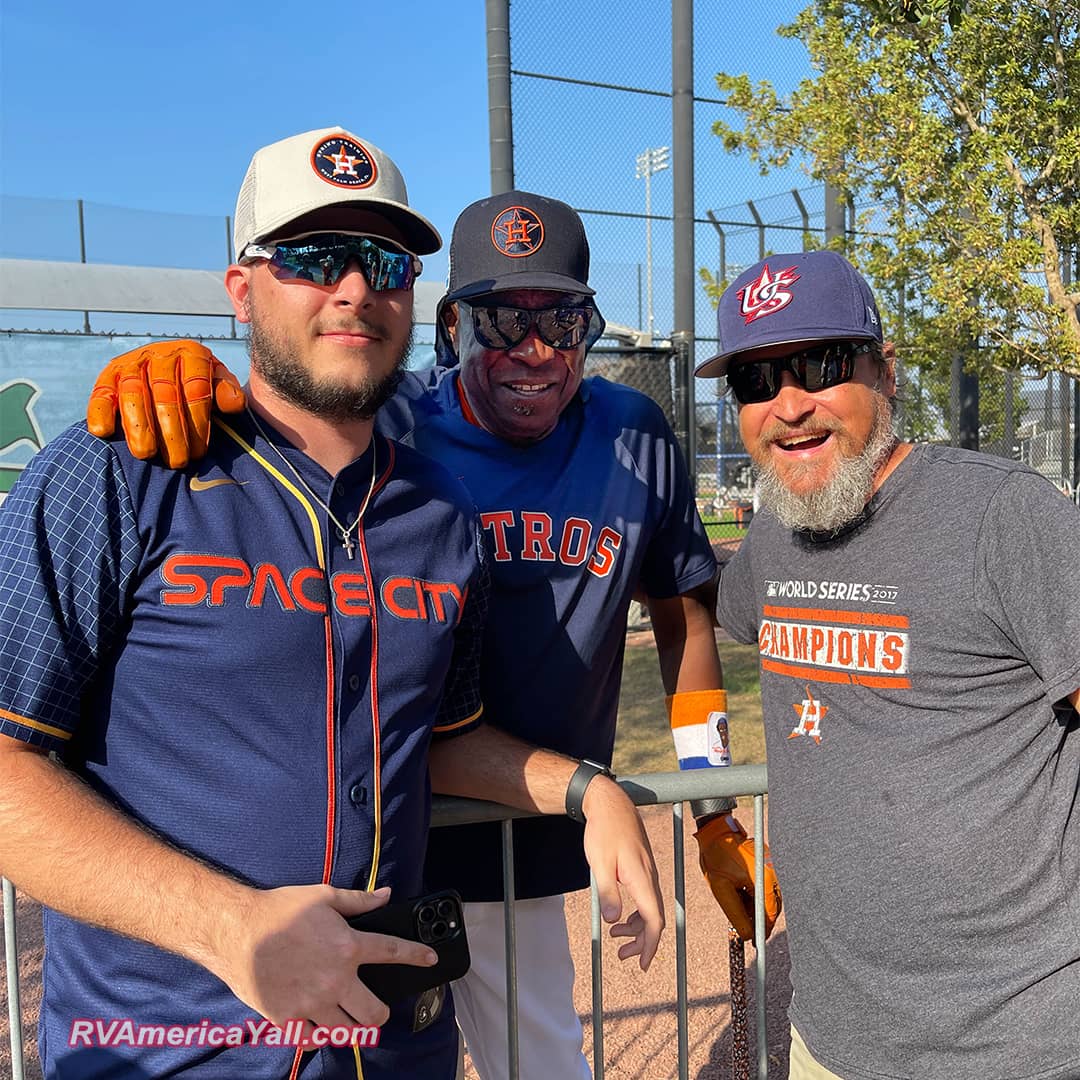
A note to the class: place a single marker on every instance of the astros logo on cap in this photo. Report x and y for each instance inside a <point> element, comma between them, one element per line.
<point>517,231</point>
<point>766,294</point>
<point>342,161</point>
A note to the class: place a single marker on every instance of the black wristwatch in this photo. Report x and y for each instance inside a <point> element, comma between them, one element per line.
<point>575,790</point>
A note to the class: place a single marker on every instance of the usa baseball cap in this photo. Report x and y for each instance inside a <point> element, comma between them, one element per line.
<point>331,167</point>
<point>518,240</point>
<point>807,296</point>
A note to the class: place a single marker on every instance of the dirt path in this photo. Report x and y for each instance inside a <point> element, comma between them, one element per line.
<point>640,1027</point>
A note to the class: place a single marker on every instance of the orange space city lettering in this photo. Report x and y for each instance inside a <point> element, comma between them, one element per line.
<point>575,542</point>
<point>217,579</point>
<point>868,648</point>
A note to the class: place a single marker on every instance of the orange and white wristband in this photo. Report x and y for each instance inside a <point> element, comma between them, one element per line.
<point>699,727</point>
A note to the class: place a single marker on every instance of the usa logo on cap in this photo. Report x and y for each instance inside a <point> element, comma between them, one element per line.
<point>517,231</point>
<point>767,293</point>
<point>344,162</point>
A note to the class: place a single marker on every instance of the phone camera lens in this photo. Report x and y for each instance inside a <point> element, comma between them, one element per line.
<point>446,909</point>
<point>427,914</point>
<point>439,930</point>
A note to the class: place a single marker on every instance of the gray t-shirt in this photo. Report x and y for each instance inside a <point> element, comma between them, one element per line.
<point>923,808</point>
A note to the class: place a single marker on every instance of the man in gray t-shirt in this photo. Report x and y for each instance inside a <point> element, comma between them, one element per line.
<point>917,614</point>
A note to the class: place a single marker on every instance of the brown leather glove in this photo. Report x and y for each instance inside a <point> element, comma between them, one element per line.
<point>164,393</point>
<point>727,861</point>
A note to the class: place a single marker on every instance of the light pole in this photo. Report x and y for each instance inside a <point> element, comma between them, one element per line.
<point>650,161</point>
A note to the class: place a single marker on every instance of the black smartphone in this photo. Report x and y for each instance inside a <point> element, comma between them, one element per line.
<point>438,921</point>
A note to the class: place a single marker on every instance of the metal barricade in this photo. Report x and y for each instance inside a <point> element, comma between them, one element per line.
<point>648,789</point>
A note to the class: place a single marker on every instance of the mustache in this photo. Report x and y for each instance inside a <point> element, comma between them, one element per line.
<point>357,326</point>
<point>780,430</point>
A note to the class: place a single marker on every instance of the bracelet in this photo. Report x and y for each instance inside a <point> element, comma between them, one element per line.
<point>575,790</point>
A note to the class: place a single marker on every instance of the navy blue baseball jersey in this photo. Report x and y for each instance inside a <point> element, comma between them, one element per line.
<point>572,525</point>
<point>201,649</point>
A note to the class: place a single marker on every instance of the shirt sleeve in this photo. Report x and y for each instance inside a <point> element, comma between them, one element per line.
<point>462,707</point>
<point>679,556</point>
<point>69,548</point>
<point>737,608</point>
<point>1027,570</point>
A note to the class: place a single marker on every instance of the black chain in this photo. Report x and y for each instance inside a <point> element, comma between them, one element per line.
<point>740,1036</point>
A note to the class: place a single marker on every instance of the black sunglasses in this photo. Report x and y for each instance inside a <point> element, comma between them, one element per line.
<point>816,368</point>
<point>500,327</point>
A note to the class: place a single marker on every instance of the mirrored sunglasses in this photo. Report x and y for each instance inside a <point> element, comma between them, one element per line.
<point>563,327</point>
<point>322,258</point>
<point>814,369</point>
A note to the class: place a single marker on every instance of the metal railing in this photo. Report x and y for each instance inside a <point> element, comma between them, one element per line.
<point>648,789</point>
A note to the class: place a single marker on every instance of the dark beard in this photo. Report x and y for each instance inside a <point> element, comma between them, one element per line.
<point>293,382</point>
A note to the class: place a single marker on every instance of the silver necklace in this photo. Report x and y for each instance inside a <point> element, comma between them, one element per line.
<point>345,534</point>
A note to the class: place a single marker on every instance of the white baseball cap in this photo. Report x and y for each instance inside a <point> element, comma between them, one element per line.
<point>330,167</point>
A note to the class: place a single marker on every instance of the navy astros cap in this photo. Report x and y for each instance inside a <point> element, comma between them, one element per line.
<point>808,296</point>
<point>518,240</point>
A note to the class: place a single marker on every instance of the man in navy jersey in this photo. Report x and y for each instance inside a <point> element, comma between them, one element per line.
<point>248,669</point>
<point>584,498</point>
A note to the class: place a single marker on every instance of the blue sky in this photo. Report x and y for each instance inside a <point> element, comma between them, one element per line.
<point>150,114</point>
<point>159,107</point>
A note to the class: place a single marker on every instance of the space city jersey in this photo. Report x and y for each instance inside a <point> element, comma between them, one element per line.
<point>199,647</point>
<point>923,771</point>
<point>572,523</point>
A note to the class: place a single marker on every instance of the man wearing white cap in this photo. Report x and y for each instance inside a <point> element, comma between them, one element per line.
<point>584,498</point>
<point>917,613</point>
<point>246,670</point>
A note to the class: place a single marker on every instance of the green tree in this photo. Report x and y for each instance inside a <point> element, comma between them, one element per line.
<point>956,127</point>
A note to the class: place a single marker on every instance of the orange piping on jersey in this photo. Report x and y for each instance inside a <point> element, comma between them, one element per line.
<point>863,618</point>
<point>37,725</point>
<point>331,764</point>
<point>460,723</point>
<point>373,682</point>
<point>878,682</point>
<point>466,408</point>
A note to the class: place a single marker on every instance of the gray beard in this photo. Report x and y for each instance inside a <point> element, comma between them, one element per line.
<point>843,498</point>
<point>292,381</point>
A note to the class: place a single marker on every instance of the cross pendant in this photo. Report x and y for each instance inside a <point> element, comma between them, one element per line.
<point>347,544</point>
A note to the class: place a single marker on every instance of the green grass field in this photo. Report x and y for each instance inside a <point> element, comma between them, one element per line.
<point>643,738</point>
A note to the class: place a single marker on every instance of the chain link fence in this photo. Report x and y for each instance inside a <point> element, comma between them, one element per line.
<point>622,187</point>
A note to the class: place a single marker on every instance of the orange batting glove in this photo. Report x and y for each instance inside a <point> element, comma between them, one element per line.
<point>727,861</point>
<point>164,393</point>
